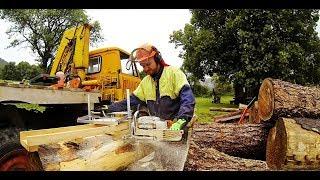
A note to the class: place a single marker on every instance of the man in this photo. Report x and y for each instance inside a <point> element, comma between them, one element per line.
<point>165,90</point>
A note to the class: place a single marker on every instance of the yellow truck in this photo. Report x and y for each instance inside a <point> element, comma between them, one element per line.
<point>103,75</point>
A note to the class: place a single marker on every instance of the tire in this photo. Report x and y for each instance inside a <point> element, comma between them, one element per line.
<point>13,156</point>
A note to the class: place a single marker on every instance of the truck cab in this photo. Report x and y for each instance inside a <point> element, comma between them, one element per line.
<point>111,71</point>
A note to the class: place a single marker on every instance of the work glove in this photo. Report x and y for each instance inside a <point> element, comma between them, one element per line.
<point>178,125</point>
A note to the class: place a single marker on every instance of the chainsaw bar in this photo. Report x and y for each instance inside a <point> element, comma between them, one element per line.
<point>159,134</point>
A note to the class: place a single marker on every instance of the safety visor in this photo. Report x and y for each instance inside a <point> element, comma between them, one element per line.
<point>141,54</point>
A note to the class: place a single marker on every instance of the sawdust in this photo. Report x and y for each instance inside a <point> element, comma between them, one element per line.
<point>166,156</point>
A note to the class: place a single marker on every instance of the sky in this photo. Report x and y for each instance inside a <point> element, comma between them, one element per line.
<point>124,28</point>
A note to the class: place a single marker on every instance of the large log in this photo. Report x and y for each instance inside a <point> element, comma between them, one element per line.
<point>210,159</point>
<point>291,147</point>
<point>246,140</point>
<point>283,99</point>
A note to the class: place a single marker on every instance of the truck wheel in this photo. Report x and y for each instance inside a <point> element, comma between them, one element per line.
<point>13,156</point>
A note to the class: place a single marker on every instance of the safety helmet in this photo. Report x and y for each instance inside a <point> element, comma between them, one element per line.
<point>144,52</point>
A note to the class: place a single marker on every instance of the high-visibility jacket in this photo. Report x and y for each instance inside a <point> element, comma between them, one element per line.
<point>168,95</point>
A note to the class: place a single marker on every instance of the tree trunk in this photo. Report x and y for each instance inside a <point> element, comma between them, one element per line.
<point>291,147</point>
<point>282,99</point>
<point>210,159</point>
<point>246,140</point>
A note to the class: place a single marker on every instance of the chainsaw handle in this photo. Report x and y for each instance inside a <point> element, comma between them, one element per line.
<point>245,110</point>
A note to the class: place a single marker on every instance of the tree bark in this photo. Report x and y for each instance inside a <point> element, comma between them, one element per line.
<point>283,99</point>
<point>246,140</point>
<point>291,147</point>
<point>210,159</point>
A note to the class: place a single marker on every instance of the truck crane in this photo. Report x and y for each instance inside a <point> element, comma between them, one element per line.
<point>103,74</point>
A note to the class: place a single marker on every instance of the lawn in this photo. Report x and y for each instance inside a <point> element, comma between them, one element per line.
<point>203,104</point>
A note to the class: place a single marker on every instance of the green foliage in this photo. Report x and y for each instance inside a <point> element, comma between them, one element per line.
<point>31,107</point>
<point>42,29</point>
<point>200,90</point>
<point>19,72</point>
<point>247,45</point>
<point>9,71</point>
<point>2,64</point>
<point>222,86</point>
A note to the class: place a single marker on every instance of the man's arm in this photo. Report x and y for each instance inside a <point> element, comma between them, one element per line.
<point>187,103</point>
<point>122,105</point>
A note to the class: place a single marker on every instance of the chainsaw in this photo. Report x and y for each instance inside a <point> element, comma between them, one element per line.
<point>141,126</point>
<point>152,127</point>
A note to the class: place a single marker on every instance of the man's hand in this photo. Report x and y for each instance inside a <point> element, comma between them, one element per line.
<point>178,125</point>
<point>104,107</point>
<point>101,108</point>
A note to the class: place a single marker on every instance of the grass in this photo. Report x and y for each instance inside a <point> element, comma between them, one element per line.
<point>203,104</point>
<point>31,107</point>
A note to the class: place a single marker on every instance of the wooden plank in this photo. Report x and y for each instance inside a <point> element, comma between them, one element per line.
<point>95,153</point>
<point>31,139</point>
<point>46,96</point>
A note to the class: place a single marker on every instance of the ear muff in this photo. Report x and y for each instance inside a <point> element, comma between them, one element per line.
<point>157,56</point>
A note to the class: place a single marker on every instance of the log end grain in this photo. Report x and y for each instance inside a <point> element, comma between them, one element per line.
<point>266,100</point>
<point>276,146</point>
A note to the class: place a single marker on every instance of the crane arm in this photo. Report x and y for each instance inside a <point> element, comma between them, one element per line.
<point>73,51</point>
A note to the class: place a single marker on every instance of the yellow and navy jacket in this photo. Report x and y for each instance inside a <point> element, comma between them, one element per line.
<point>167,95</point>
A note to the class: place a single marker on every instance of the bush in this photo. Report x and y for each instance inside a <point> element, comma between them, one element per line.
<point>201,91</point>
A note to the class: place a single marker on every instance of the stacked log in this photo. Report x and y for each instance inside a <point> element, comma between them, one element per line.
<point>284,126</point>
<point>292,147</point>
<point>210,159</point>
<point>291,108</point>
<point>246,140</point>
<point>283,99</point>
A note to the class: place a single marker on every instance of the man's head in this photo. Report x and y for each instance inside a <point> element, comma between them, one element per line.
<point>148,57</point>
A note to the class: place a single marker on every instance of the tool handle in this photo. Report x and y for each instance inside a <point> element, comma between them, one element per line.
<point>245,110</point>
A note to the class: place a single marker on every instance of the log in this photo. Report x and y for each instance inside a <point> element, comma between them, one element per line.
<point>283,99</point>
<point>291,147</point>
<point>223,109</point>
<point>228,116</point>
<point>246,140</point>
<point>210,159</point>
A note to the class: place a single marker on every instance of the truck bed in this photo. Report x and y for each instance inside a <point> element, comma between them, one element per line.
<point>42,95</point>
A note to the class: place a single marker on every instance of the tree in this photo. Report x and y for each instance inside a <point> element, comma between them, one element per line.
<point>41,29</point>
<point>244,46</point>
<point>9,71</point>
<point>27,71</point>
<point>21,71</point>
